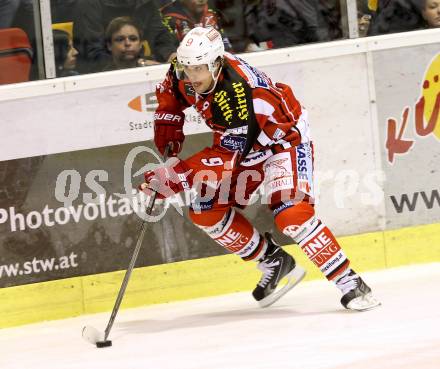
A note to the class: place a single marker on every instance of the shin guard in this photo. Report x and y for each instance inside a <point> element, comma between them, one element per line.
<point>234,233</point>
<point>314,238</point>
<point>324,251</point>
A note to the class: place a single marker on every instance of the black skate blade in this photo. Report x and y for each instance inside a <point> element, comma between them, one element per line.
<point>293,278</point>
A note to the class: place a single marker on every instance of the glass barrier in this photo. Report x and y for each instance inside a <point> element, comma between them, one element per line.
<point>18,57</point>
<point>100,35</point>
<point>378,17</point>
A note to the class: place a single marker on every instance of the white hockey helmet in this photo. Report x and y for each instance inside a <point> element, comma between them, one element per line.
<point>201,46</point>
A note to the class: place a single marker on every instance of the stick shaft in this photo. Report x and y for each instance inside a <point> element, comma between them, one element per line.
<point>130,268</point>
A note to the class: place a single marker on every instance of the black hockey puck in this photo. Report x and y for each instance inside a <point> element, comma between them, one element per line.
<point>101,344</point>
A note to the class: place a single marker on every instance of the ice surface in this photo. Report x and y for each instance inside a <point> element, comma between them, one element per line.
<point>306,329</point>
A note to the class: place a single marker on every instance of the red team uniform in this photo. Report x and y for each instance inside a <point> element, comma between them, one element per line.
<point>261,137</point>
<point>180,20</point>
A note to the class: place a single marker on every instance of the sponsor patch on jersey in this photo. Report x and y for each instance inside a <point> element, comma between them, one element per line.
<point>240,100</point>
<point>255,77</point>
<point>283,206</point>
<point>304,168</point>
<point>279,174</point>
<point>237,130</point>
<point>255,158</point>
<point>223,101</point>
<point>233,143</point>
<point>278,134</point>
<point>198,206</point>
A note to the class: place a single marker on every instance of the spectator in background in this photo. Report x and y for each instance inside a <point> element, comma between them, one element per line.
<point>430,10</point>
<point>363,24</point>
<point>124,41</point>
<point>397,16</point>
<point>286,22</point>
<point>161,3</point>
<point>365,14</point>
<point>8,9</point>
<point>62,10</point>
<point>92,18</point>
<point>11,12</point>
<point>331,11</point>
<point>181,16</point>
<point>17,13</point>
<point>65,54</point>
<point>231,13</point>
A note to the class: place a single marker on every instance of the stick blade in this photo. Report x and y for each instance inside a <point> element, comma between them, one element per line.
<point>92,335</point>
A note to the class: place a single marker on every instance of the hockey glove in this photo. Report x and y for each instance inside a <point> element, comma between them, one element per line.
<point>168,180</point>
<point>168,128</point>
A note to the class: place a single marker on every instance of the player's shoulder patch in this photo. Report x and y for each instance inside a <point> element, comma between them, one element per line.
<point>255,77</point>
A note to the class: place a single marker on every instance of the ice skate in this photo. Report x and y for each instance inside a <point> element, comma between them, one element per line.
<point>356,293</point>
<point>276,265</point>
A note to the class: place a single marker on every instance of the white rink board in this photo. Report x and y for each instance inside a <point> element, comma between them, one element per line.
<point>306,329</point>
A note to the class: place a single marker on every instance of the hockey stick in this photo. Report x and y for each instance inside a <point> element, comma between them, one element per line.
<point>90,333</point>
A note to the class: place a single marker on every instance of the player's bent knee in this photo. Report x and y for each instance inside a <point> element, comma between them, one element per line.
<point>296,221</point>
<point>232,230</point>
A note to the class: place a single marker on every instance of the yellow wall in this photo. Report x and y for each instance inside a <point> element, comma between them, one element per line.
<point>201,277</point>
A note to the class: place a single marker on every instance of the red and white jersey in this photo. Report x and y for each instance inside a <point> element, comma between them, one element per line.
<point>246,110</point>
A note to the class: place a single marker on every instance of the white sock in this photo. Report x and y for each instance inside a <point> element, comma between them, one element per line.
<point>347,281</point>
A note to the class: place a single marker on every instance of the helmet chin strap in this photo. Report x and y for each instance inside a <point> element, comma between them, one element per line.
<point>215,78</point>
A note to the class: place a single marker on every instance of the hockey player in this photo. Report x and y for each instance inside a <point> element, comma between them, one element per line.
<point>261,137</point>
